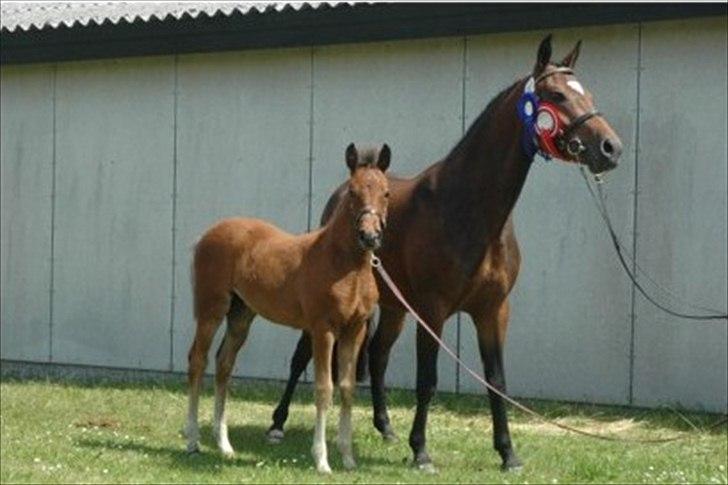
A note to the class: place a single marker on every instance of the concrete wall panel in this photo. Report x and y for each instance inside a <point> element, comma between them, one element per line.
<point>243,148</point>
<point>681,241</point>
<point>407,94</point>
<point>26,171</point>
<point>570,308</point>
<point>114,212</point>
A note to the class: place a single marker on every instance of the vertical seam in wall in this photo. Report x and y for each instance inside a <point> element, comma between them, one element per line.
<point>310,143</point>
<point>310,156</point>
<point>462,133</point>
<point>634,212</point>
<point>174,214</point>
<point>53,216</point>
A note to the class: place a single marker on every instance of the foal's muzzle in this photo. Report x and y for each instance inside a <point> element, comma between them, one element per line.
<point>370,235</point>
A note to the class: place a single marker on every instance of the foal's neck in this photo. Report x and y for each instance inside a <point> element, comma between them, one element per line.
<point>338,237</point>
<point>482,177</point>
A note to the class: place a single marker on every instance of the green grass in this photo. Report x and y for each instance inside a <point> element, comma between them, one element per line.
<point>108,432</point>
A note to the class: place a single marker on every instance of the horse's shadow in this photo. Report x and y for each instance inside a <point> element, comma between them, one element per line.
<point>251,449</point>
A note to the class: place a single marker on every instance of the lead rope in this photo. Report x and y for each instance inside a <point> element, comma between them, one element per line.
<point>600,201</point>
<point>377,264</point>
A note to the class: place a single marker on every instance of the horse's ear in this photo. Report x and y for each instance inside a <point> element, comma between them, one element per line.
<point>572,56</point>
<point>544,55</point>
<point>352,157</point>
<point>385,156</point>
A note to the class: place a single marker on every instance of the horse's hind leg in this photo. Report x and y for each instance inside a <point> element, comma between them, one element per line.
<point>348,347</point>
<point>239,318</point>
<point>207,325</point>
<point>301,358</point>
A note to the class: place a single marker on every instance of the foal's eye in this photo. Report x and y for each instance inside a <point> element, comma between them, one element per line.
<point>386,194</point>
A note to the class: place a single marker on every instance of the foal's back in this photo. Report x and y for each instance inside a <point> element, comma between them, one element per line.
<point>255,260</point>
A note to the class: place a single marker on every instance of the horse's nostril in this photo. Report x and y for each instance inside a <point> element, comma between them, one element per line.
<point>607,148</point>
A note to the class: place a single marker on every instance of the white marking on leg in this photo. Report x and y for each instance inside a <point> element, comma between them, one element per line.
<point>318,450</point>
<point>220,427</point>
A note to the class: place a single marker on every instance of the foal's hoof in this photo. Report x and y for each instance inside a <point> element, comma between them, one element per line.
<point>274,436</point>
<point>390,436</point>
<point>193,448</point>
<point>323,468</point>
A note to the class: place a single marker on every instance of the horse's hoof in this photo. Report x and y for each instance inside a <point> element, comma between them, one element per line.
<point>390,436</point>
<point>274,436</point>
<point>323,468</point>
<point>193,448</point>
<point>426,467</point>
<point>512,465</point>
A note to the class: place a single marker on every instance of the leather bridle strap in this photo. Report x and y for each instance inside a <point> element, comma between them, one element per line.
<point>370,211</point>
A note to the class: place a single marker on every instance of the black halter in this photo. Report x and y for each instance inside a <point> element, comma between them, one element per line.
<point>565,143</point>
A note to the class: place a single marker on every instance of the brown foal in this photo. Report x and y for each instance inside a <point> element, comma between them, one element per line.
<point>320,282</point>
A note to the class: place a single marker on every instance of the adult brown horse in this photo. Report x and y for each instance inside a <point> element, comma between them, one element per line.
<point>320,282</point>
<point>451,245</point>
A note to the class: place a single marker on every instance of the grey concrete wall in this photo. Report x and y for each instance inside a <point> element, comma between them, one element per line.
<point>150,152</point>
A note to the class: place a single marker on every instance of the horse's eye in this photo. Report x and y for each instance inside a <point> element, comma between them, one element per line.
<point>557,97</point>
<point>386,194</point>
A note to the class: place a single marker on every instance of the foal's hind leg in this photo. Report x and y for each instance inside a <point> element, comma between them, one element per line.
<point>207,325</point>
<point>348,347</point>
<point>239,319</point>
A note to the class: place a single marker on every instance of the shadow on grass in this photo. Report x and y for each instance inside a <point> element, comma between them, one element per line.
<point>251,450</point>
<point>268,392</point>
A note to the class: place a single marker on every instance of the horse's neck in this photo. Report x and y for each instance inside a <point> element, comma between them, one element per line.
<point>481,179</point>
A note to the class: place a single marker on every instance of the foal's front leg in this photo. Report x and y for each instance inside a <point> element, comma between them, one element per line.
<point>348,347</point>
<point>323,344</point>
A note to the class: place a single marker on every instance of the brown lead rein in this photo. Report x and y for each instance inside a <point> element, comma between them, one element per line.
<point>377,264</point>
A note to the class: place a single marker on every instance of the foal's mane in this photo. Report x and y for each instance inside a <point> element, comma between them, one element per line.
<point>483,118</point>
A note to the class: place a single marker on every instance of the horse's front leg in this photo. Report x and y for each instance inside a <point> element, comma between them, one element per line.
<point>491,325</point>
<point>427,350</point>
<point>348,347</point>
<point>391,323</point>
<point>323,344</point>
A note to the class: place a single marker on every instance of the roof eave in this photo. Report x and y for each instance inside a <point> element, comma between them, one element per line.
<point>332,25</point>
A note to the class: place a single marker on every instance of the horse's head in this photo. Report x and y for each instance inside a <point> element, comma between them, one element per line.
<point>567,123</point>
<point>368,193</point>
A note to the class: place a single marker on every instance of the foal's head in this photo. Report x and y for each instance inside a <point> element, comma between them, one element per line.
<point>368,193</point>
<point>586,137</point>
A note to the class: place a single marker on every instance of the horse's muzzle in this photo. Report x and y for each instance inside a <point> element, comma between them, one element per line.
<point>605,156</point>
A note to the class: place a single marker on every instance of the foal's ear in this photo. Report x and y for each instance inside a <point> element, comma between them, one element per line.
<point>571,57</point>
<point>385,156</point>
<point>544,55</point>
<point>352,157</point>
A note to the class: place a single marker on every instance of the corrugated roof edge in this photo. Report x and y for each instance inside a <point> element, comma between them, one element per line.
<point>46,16</point>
